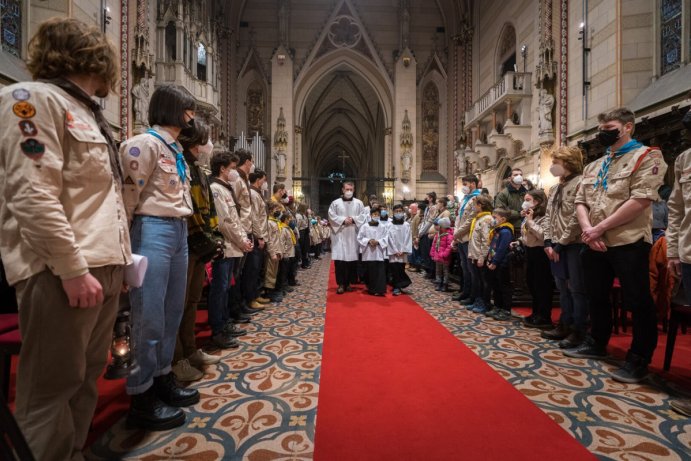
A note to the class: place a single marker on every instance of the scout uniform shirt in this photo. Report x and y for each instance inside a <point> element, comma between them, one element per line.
<point>562,223</point>
<point>152,184</point>
<point>637,174</point>
<point>57,187</point>
<point>260,223</point>
<point>228,221</point>
<point>679,229</point>
<point>242,193</point>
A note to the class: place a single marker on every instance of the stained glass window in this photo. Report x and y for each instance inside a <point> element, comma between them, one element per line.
<point>670,35</point>
<point>11,26</point>
<point>430,128</point>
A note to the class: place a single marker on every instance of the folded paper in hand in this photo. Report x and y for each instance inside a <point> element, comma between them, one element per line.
<point>134,273</point>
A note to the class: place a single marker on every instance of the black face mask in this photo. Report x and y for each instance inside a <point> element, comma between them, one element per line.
<point>686,121</point>
<point>277,214</point>
<point>608,137</point>
<point>285,195</point>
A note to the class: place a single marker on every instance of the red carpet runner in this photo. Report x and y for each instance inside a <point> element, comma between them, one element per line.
<point>396,385</point>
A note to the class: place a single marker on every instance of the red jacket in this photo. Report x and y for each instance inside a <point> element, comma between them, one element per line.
<point>441,247</point>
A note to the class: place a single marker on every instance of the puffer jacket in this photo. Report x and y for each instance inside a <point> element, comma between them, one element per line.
<point>441,247</point>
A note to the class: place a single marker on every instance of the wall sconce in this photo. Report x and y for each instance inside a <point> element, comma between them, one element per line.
<point>524,55</point>
<point>406,61</point>
<point>281,58</point>
<point>107,18</point>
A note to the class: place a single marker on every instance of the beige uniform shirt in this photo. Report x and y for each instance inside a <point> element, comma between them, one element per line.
<point>533,232</point>
<point>274,245</point>
<point>463,222</point>
<point>152,184</point>
<point>60,206</point>
<point>242,194</point>
<point>637,174</point>
<point>259,218</point>
<point>287,241</point>
<point>478,245</point>
<point>562,223</point>
<point>234,235</point>
<point>679,204</point>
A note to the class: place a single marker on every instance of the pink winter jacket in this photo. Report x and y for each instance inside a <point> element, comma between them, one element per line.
<point>443,254</point>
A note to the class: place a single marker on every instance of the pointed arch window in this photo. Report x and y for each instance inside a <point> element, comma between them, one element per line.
<point>671,33</point>
<point>171,45</point>
<point>430,127</point>
<point>201,62</point>
<point>255,108</point>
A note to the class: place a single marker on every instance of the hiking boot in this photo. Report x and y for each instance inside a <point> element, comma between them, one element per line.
<point>682,406</point>
<point>200,358</point>
<point>587,350</point>
<point>557,333</point>
<point>537,321</point>
<point>149,412</point>
<point>169,392</point>
<point>233,330</point>
<point>223,340</point>
<point>185,372</point>
<point>634,370</point>
<point>257,305</point>
<point>574,339</point>
<point>262,300</point>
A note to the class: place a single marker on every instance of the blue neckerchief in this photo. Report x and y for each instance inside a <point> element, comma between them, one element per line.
<point>466,199</point>
<point>179,158</point>
<point>604,168</point>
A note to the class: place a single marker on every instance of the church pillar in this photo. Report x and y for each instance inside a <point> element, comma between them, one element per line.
<point>404,167</point>
<point>282,98</point>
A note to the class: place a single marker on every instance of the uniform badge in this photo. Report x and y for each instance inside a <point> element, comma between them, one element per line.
<point>24,109</point>
<point>141,183</point>
<point>134,165</point>
<point>655,169</point>
<point>21,94</point>
<point>33,149</point>
<point>172,182</point>
<point>129,181</point>
<point>134,151</point>
<point>28,128</point>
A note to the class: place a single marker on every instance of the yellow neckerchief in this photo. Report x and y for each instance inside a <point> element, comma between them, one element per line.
<point>504,224</point>
<point>474,221</point>
<point>282,226</point>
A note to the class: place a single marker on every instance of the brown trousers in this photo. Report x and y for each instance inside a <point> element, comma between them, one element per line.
<point>270,273</point>
<point>64,350</point>
<point>186,343</point>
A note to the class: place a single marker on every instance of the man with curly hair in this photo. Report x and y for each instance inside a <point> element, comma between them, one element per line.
<point>64,238</point>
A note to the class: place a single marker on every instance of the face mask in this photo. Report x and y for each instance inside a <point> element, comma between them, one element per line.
<point>233,175</point>
<point>384,215</point>
<point>608,137</point>
<point>557,170</point>
<point>277,214</point>
<point>252,168</point>
<point>265,186</point>
<point>518,180</point>
<point>206,149</point>
<point>686,121</point>
<point>527,205</point>
<point>465,190</point>
<point>399,216</point>
<point>375,218</point>
<point>285,200</point>
<point>314,221</point>
<point>292,224</point>
<point>348,194</point>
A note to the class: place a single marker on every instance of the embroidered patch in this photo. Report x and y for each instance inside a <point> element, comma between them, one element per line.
<point>655,169</point>
<point>33,149</point>
<point>215,194</point>
<point>21,94</point>
<point>141,183</point>
<point>129,181</point>
<point>173,182</point>
<point>134,151</point>
<point>28,128</point>
<point>134,165</point>
<point>24,109</point>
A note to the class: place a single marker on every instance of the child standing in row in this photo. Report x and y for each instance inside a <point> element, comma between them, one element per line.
<point>399,246</point>
<point>372,238</point>
<point>441,251</point>
<point>496,272</point>
<point>478,247</point>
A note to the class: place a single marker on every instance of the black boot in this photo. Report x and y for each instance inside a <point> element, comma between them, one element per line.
<point>575,339</point>
<point>560,332</point>
<point>172,394</point>
<point>148,412</point>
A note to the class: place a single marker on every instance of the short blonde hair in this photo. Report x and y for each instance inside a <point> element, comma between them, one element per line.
<point>571,156</point>
<point>67,46</point>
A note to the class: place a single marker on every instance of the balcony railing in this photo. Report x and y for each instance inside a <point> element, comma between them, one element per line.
<point>512,84</point>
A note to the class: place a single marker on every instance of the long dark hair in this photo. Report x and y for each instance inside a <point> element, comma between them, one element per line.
<point>541,207</point>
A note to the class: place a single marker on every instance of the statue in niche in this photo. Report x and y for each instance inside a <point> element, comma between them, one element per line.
<point>255,110</point>
<point>544,108</point>
<point>281,144</point>
<point>406,147</point>
<point>430,128</point>
<point>140,98</point>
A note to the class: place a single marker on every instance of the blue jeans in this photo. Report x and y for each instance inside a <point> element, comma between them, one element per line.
<point>572,295</point>
<point>221,269</point>
<point>467,285</point>
<point>478,286</point>
<point>158,305</point>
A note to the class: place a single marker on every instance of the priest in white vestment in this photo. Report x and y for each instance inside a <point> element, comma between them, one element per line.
<point>346,215</point>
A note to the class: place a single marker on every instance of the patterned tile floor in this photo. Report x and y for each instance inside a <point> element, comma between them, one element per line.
<point>260,402</point>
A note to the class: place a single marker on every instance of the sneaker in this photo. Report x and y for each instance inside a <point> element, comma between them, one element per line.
<point>491,312</point>
<point>682,406</point>
<point>587,350</point>
<point>537,321</point>
<point>201,358</point>
<point>257,305</point>
<point>558,333</point>
<point>634,370</point>
<point>479,308</point>
<point>223,340</point>
<point>465,301</point>
<point>262,300</point>
<point>502,315</point>
<point>397,292</point>
<point>574,339</point>
<point>233,330</point>
<point>185,372</point>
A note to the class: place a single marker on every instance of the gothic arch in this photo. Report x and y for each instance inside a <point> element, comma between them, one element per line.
<point>438,80</point>
<point>506,48</point>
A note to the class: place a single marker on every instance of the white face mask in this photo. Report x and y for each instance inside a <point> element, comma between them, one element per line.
<point>206,149</point>
<point>465,190</point>
<point>518,180</point>
<point>348,194</point>
<point>265,186</point>
<point>557,170</point>
<point>233,175</point>
<point>252,168</point>
<point>527,205</point>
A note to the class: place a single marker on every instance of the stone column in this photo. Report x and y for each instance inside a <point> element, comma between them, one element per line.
<point>405,98</point>
<point>282,97</point>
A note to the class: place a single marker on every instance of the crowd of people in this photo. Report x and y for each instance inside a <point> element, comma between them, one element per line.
<point>76,207</point>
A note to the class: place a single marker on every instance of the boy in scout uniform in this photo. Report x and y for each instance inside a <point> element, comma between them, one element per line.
<point>613,209</point>
<point>61,185</point>
<point>679,235</point>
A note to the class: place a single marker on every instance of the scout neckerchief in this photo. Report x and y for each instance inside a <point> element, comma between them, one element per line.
<point>467,199</point>
<point>504,224</point>
<point>179,158</point>
<point>103,126</point>
<point>439,237</point>
<point>556,203</point>
<point>604,168</point>
<point>474,221</point>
